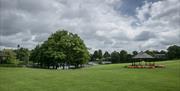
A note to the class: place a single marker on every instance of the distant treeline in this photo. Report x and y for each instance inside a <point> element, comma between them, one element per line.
<point>172,52</point>
<point>67,49</point>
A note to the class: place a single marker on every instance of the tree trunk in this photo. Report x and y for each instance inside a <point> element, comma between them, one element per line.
<point>132,63</point>
<point>57,65</point>
<point>76,65</point>
<point>48,66</point>
<point>63,66</point>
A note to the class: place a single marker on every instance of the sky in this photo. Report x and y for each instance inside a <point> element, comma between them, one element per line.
<point>102,24</point>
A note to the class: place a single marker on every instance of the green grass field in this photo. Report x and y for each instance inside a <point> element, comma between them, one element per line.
<point>97,78</point>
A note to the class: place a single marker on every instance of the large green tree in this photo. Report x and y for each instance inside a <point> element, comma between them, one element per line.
<point>123,56</point>
<point>115,58</point>
<point>97,56</point>
<point>62,48</point>
<point>100,55</point>
<point>173,52</point>
<point>107,56</point>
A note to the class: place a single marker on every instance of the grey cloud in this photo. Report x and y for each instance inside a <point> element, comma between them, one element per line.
<point>7,44</point>
<point>28,6</point>
<point>32,6</point>
<point>11,23</point>
<point>22,19</point>
<point>121,37</point>
<point>170,40</point>
<point>22,15</point>
<point>108,42</point>
<point>145,35</point>
<point>22,38</point>
<point>41,37</point>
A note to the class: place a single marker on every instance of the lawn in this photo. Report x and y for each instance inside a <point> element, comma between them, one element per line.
<point>97,78</point>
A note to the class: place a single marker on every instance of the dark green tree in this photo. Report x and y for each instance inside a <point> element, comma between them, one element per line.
<point>135,53</point>
<point>115,57</point>
<point>129,58</point>
<point>163,52</point>
<point>22,54</point>
<point>100,55</point>
<point>36,56</point>
<point>95,56</point>
<point>173,52</point>
<point>107,56</point>
<point>123,56</point>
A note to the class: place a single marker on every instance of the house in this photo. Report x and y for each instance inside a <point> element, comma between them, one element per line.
<point>106,62</point>
<point>142,56</point>
<point>160,56</point>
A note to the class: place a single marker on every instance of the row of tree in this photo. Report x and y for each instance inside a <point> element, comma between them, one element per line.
<point>15,56</point>
<point>173,52</point>
<point>114,57</point>
<point>39,56</point>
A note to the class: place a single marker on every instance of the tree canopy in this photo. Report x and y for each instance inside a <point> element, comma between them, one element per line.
<point>115,58</point>
<point>10,56</point>
<point>173,52</point>
<point>61,48</point>
<point>22,54</point>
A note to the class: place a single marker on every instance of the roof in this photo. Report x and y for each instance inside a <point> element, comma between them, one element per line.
<point>159,54</point>
<point>142,55</point>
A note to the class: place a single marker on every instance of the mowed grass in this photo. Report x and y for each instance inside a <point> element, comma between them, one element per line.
<point>112,77</point>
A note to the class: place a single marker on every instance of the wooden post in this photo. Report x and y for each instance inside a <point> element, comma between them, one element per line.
<point>153,63</point>
<point>139,62</point>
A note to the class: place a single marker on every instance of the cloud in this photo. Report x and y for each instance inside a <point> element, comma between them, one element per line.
<point>102,24</point>
<point>162,21</point>
<point>145,35</point>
